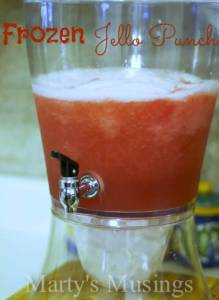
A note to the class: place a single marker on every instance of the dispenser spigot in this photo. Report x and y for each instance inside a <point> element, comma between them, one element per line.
<point>71,187</point>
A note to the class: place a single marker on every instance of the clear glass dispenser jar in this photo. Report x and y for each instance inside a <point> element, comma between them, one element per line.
<point>125,92</point>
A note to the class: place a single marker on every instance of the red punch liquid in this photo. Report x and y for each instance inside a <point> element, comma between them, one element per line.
<point>147,151</point>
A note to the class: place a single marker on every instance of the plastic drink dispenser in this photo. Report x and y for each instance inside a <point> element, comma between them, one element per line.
<point>124,102</point>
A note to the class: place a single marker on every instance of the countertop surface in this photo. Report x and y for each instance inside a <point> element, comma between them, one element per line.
<point>24,230</point>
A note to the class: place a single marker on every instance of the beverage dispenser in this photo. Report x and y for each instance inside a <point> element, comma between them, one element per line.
<point>125,92</point>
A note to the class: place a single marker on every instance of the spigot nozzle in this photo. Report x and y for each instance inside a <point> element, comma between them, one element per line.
<point>71,188</point>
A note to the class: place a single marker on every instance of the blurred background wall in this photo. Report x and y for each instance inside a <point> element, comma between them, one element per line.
<point>21,151</point>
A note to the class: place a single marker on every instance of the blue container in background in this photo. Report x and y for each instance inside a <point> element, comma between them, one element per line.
<point>207,225</point>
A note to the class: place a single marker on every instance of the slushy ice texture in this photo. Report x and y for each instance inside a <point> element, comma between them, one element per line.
<point>121,257</point>
<point>143,132</point>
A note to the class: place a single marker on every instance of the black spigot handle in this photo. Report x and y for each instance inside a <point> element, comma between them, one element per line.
<point>69,167</point>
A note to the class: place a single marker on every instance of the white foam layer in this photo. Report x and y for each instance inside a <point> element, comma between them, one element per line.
<point>121,84</point>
